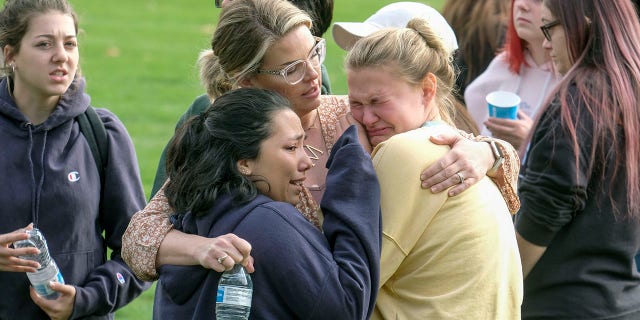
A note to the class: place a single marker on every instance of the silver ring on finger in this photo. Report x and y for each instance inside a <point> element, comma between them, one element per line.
<point>221,259</point>
<point>461,177</point>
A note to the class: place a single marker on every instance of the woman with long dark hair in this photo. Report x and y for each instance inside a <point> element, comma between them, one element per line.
<point>240,167</point>
<point>579,224</point>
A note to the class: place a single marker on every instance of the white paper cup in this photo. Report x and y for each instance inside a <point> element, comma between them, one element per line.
<point>503,104</point>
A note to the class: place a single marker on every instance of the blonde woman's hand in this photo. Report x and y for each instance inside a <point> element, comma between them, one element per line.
<point>223,252</point>
<point>463,166</point>
<point>219,253</point>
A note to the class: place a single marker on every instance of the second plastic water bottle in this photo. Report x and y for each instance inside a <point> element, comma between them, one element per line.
<point>235,290</point>
<point>48,269</point>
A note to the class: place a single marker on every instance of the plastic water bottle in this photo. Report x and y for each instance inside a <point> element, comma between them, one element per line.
<point>48,269</point>
<point>235,290</point>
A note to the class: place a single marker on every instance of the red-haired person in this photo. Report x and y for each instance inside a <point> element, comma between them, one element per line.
<point>524,67</point>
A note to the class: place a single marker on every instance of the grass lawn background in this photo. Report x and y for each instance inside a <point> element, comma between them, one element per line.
<point>139,60</point>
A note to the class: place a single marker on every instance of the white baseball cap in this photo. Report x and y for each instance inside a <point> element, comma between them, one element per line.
<point>395,15</point>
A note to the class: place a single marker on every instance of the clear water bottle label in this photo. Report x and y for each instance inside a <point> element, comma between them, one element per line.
<point>234,295</point>
<point>44,290</point>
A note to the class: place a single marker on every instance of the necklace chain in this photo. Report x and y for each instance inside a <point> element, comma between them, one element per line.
<point>312,152</point>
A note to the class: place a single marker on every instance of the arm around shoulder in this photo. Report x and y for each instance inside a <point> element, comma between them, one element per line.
<point>505,170</point>
<point>146,231</point>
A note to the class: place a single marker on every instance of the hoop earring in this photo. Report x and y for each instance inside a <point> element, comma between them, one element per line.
<point>9,86</point>
<point>13,68</point>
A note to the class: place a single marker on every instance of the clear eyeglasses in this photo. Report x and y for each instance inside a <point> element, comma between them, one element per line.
<point>295,71</point>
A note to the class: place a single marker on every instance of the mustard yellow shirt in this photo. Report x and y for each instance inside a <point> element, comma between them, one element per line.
<point>442,257</point>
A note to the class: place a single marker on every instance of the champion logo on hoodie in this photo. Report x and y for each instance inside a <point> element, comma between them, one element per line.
<point>120,278</point>
<point>73,176</point>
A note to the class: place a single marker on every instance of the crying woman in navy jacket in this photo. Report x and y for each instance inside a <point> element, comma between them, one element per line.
<point>239,168</point>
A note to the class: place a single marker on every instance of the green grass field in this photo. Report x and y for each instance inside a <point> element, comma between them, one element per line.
<point>139,61</point>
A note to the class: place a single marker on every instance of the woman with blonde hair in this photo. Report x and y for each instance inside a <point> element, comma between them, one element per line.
<point>442,257</point>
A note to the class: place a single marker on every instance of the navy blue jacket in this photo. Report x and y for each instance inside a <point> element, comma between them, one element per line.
<point>50,178</point>
<point>301,273</point>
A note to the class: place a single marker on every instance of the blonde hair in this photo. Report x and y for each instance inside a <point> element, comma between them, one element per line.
<point>412,53</point>
<point>246,30</point>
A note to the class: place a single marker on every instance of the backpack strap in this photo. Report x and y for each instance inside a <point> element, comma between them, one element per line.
<point>92,127</point>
